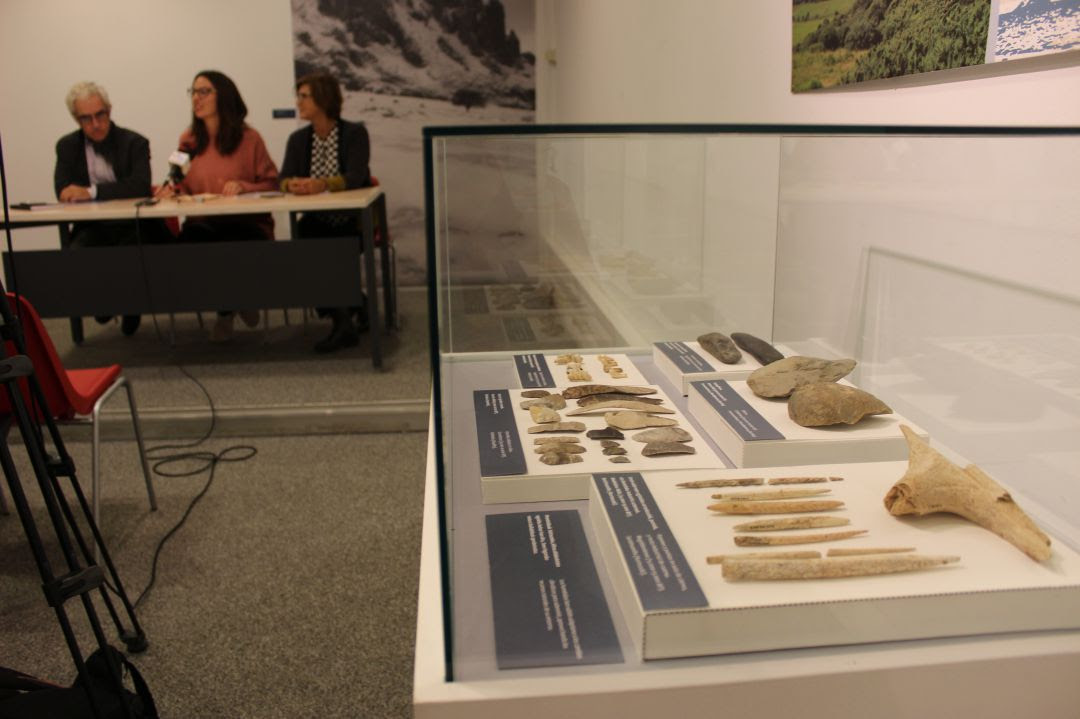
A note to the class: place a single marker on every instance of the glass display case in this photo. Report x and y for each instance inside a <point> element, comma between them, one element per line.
<point>941,259</point>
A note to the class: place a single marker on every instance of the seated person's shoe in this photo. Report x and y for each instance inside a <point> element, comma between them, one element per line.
<point>343,335</point>
<point>223,329</point>
<point>250,317</point>
<point>103,319</point>
<point>130,324</point>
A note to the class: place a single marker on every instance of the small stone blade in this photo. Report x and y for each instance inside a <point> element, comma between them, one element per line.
<point>621,404</point>
<point>587,389</point>
<point>629,419</point>
<point>605,433</point>
<point>656,449</point>
<point>557,427</point>
<point>663,434</point>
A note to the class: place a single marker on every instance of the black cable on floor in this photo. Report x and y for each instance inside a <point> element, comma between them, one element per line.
<point>206,461</point>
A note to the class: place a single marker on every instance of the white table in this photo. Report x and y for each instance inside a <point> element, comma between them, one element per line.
<point>365,201</point>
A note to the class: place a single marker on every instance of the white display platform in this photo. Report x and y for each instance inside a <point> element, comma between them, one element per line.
<point>874,439</point>
<point>994,677</point>
<point>590,363</point>
<point>543,482</point>
<point>682,378</point>
<point>994,588</point>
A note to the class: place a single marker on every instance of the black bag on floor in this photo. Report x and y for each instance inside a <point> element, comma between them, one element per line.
<point>23,697</point>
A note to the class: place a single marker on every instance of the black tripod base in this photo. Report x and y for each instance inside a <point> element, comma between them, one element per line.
<point>135,643</point>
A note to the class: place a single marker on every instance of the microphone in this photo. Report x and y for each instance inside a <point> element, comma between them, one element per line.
<point>179,164</point>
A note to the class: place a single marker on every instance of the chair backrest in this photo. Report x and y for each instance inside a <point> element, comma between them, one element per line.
<point>48,368</point>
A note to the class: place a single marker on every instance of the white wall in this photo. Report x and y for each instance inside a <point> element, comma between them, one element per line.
<point>730,61</point>
<point>145,53</point>
<point>969,336</point>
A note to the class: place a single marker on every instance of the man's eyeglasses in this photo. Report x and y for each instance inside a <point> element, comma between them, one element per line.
<point>99,116</point>
<point>303,96</point>
<point>200,91</point>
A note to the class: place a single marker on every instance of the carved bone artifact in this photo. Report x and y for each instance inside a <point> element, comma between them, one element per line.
<point>778,525</point>
<point>768,540</point>
<point>768,494</point>
<point>704,483</point>
<point>621,404</point>
<point>772,569</point>
<point>859,551</point>
<point>804,554</point>
<point>934,484</point>
<point>587,389</point>
<point>793,507</point>
<point>803,480</point>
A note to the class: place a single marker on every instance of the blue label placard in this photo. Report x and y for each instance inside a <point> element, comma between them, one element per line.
<point>685,359</point>
<point>533,371</point>
<point>735,410</point>
<point>497,438</point>
<point>547,602</point>
<point>662,577</point>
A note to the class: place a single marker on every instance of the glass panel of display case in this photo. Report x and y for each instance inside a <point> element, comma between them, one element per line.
<point>942,260</point>
<point>946,265</point>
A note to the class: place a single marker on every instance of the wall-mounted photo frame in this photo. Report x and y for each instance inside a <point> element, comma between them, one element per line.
<point>846,42</point>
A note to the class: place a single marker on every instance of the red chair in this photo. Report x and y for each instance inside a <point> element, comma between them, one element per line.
<point>73,394</point>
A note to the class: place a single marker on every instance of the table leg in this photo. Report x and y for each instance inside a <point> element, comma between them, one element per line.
<point>389,283</point>
<point>76,330</point>
<point>367,227</point>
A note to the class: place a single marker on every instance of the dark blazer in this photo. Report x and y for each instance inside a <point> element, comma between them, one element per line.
<point>128,152</point>
<point>354,153</point>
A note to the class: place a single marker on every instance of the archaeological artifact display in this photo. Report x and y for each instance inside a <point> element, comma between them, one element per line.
<point>933,484</point>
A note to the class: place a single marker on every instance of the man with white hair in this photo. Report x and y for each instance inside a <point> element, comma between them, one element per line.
<point>102,161</point>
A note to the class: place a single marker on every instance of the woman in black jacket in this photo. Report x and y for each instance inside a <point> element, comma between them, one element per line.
<point>330,154</point>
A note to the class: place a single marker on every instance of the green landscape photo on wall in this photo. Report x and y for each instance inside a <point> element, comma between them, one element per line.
<point>837,42</point>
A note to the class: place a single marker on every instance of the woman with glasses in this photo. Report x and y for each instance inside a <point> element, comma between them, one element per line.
<point>228,157</point>
<point>330,154</point>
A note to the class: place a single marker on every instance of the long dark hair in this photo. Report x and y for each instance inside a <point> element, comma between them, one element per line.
<point>231,112</point>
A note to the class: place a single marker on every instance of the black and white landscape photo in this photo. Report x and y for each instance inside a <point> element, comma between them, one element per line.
<point>407,64</point>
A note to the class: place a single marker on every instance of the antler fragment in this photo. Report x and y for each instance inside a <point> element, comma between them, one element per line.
<point>934,484</point>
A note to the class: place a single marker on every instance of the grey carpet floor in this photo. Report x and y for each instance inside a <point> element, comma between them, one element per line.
<point>290,591</point>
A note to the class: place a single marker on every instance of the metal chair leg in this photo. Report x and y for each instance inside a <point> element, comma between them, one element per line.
<point>139,442</point>
<point>95,449</point>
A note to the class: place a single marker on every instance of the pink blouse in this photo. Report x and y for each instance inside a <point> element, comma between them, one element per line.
<point>249,163</point>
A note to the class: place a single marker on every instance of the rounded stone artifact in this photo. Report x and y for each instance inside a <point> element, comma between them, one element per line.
<point>721,347</point>
<point>782,377</point>
<point>827,403</point>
